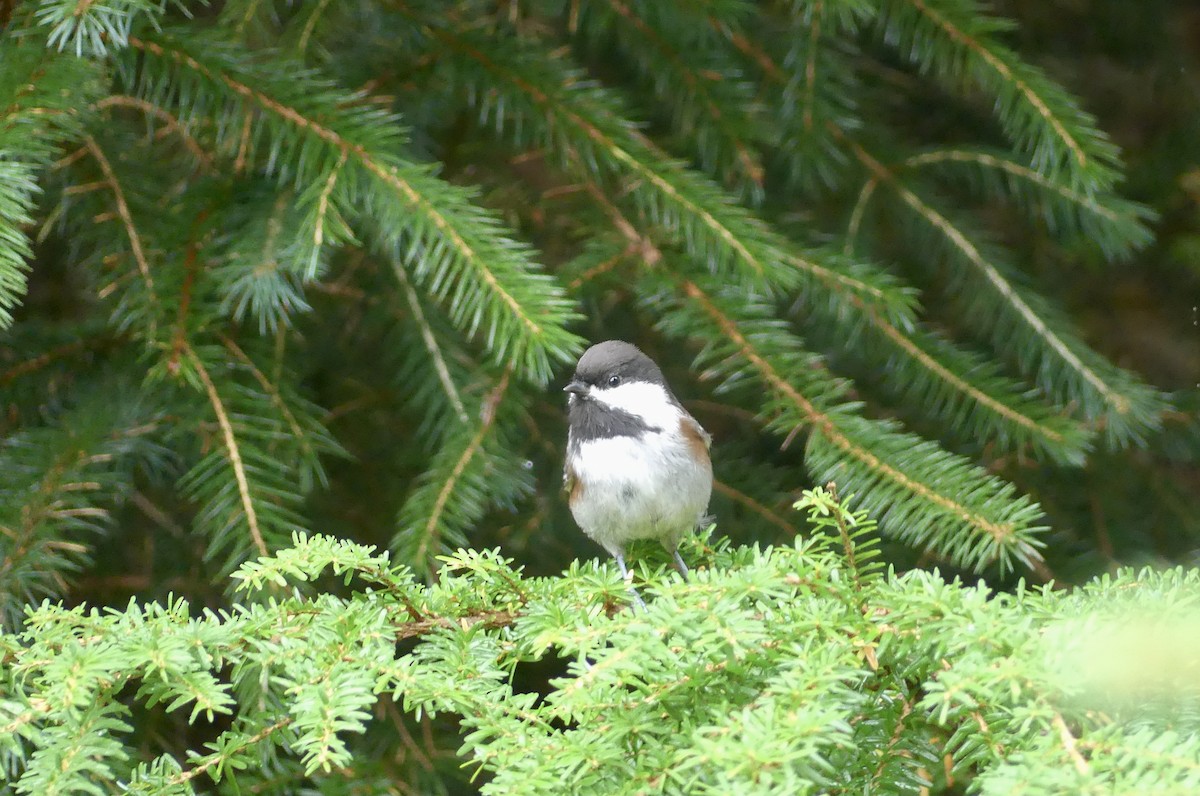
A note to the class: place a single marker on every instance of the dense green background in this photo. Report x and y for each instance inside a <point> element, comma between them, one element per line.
<point>1134,68</point>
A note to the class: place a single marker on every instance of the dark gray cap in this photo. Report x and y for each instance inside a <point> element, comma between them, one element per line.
<point>616,358</point>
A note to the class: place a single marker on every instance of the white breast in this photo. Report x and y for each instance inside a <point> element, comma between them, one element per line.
<point>650,487</point>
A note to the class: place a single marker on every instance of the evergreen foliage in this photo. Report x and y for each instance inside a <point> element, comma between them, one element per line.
<point>799,668</point>
<point>269,269</point>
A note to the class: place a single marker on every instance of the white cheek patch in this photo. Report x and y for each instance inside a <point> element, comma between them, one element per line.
<point>642,399</point>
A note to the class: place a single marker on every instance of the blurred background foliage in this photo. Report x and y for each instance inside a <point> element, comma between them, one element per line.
<point>346,333</point>
<point>1136,70</point>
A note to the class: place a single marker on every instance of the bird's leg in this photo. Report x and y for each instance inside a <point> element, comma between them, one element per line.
<point>679,565</point>
<point>627,576</point>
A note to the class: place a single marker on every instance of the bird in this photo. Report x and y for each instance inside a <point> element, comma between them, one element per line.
<point>637,464</point>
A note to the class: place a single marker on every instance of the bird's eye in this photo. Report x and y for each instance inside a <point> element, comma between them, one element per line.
<point>613,381</point>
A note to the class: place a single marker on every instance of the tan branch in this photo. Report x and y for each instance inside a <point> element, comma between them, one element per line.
<point>473,447</point>
<point>810,66</point>
<point>757,507</point>
<point>273,393</point>
<point>135,240</point>
<point>169,120</point>
<point>1069,743</point>
<point>431,343</point>
<point>192,773</point>
<point>231,448</point>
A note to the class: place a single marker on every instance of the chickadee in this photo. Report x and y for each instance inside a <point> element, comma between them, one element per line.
<point>637,463</point>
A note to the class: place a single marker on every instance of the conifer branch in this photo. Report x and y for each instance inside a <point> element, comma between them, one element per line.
<point>131,232</point>
<point>241,162</point>
<point>41,97</point>
<point>856,216</point>
<point>92,27</point>
<point>323,201</point>
<point>272,391</point>
<point>1127,407</point>
<point>845,286</point>
<point>1053,439</point>
<point>1006,291</point>
<point>1001,532</point>
<point>430,539</point>
<point>898,733</point>
<point>737,496</point>
<point>614,150</point>
<point>996,687</point>
<point>170,122</point>
<point>993,59</point>
<point>716,231</point>
<point>602,267</point>
<point>40,361</point>
<point>431,343</point>
<point>1070,744</point>
<point>232,450</point>
<point>1089,201</point>
<point>223,756</point>
<point>66,478</point>
<point>310,24</point>
<point>1114,225</point>
<point>390,177</point>
<point>810,63</point>
<point>462,236</point>
<point>945,374</point>
<point>684,79</point>
<point>251,10</point>
<point>431,624</point>
<point>45,505</point>
<point>37,709</point>
<point>750,50</point>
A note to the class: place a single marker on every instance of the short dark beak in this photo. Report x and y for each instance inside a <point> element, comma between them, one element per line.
<point>576,387</point>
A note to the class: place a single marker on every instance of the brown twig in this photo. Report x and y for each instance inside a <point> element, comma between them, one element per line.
<point>232,450</point>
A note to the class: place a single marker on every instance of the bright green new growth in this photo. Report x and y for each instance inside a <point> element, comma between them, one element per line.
<point>794,669</point>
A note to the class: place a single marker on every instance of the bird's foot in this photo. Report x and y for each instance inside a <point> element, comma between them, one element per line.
<point>627,576</point>
<point>679,565</point>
